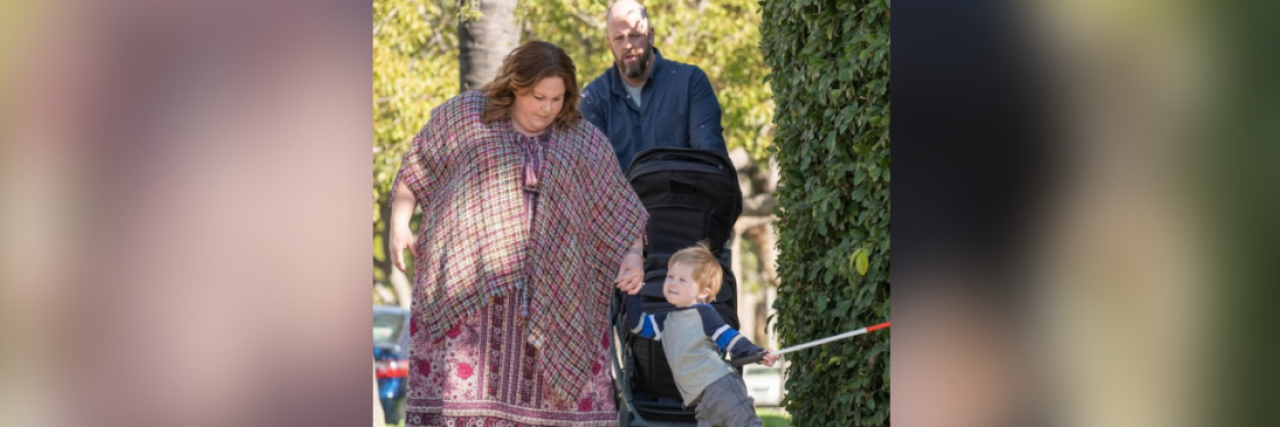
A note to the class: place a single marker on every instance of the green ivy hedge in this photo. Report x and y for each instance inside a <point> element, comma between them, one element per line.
<point>830,81</point>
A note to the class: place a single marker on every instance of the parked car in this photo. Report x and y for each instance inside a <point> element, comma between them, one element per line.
<point>391,358</point>
<point>764,384</point>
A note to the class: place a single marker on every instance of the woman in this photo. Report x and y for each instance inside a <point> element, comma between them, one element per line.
<point>526,221</point>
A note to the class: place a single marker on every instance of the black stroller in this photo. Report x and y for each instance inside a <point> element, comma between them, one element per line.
<point>691,195</point>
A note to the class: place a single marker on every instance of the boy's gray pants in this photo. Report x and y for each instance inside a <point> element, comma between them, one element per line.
<point>725,403</point>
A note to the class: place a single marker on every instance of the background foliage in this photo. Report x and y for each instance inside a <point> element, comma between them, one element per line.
<point>722,37</point>
<point>830,82</point>
<point>415,68</point>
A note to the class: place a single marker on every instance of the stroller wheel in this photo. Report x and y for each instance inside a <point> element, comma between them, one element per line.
<point>624,418</point>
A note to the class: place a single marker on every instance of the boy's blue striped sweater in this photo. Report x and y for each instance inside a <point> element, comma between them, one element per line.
<point>692,339</point>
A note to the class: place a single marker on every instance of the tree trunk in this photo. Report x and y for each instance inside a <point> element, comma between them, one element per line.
<point>761,315</point>
<point>485,41</point>
<point>404,293</point>
<point>759,183</point>
<point>746,298</point>
<point>764,241</point>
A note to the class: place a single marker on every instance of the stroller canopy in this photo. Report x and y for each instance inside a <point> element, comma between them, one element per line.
<point>691,195</point>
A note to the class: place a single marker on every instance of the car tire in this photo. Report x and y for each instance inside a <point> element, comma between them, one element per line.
<point>396,414</point>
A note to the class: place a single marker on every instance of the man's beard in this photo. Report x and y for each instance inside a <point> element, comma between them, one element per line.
<point>641,65</point>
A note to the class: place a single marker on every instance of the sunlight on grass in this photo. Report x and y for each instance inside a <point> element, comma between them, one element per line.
<point>774,417</point>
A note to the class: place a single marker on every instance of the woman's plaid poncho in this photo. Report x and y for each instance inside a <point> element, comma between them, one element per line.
<point>468,178</point>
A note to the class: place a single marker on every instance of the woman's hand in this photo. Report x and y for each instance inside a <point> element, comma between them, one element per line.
<point>631,273</point>
<point>402,237</point>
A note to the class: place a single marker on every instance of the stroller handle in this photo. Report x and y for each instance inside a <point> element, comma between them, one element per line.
<point>743,361</point>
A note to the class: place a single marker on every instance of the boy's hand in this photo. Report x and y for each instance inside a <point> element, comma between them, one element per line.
<point>769,358</point>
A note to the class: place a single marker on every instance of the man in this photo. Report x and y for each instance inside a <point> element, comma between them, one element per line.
<point>645,101</point>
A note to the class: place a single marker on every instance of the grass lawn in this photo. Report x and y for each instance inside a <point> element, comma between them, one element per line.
<point>774,417</point>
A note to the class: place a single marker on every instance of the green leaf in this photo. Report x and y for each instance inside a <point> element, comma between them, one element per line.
<point>842,307</point>
<point>861,261</point>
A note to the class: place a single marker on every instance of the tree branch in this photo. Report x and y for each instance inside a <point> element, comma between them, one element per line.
<point>587,20</point>
<point>748,222</point>
<point>759,204</point>
<point>741,160</point>
<point>377,28</point>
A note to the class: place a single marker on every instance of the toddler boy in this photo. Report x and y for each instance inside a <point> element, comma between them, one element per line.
<point>693,335</point>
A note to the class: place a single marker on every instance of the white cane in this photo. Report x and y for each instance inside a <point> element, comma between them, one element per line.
<point>756,357</point>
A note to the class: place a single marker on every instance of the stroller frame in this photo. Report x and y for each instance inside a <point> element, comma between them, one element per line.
<point>629,407</point>
<point>635,406</point>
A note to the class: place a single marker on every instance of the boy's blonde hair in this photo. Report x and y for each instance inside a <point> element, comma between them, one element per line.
<point>706,268</point>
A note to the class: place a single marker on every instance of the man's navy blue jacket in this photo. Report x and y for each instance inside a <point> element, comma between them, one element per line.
<point>679,110</point>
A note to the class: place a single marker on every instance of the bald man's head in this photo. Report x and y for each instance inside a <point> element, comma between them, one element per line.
<point>630,39</point>
<point>622,9</point>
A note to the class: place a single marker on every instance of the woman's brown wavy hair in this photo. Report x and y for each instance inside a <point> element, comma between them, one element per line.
<point>523,68</point>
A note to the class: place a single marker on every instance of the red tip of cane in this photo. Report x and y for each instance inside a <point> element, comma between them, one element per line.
<point>876,327</point>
